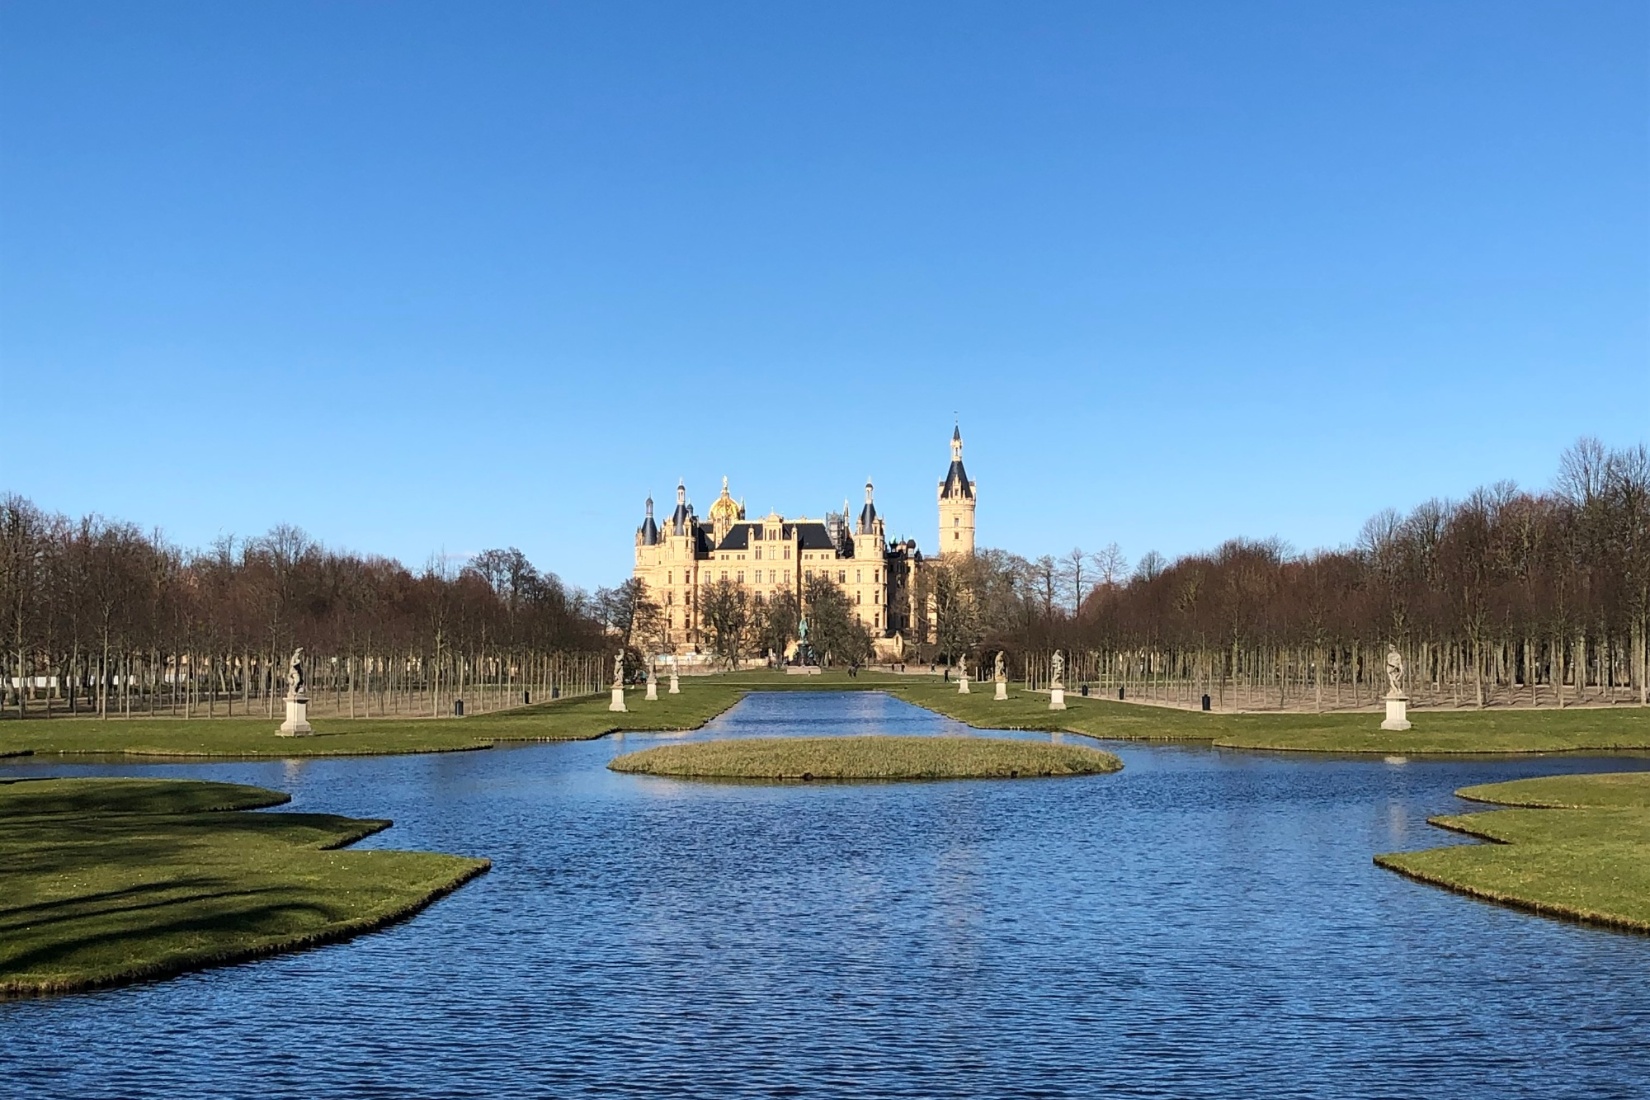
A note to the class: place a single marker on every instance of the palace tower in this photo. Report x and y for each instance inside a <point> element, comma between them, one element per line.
<point>956,504</point>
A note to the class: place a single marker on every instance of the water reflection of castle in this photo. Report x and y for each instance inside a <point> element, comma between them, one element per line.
<point>774,555</point>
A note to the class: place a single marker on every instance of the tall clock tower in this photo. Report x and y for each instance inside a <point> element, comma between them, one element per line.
<point>956,504</point>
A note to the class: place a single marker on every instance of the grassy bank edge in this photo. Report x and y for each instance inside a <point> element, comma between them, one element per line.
<point>1393,861</point>
<point>585,718</point>
<point>1575,847</point>
<point>164,800</point>
<point>1338,735</point>
<point>171,968</point>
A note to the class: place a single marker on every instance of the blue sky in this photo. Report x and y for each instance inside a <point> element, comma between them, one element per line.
<point>488,274</point>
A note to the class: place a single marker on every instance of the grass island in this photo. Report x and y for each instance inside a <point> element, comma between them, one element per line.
<point>1572,846</point>
<point>867,758</point>
<point>111,881</point>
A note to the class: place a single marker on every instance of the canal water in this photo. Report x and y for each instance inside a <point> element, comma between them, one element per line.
<point>1201,924</point>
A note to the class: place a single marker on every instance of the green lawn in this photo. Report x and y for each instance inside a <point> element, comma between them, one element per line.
<point>563,720</point>
<point>1485,731</point>
<point>1578,847</point>
<point>882,758</point>
<point>108,881</point>
<point>702,698</point>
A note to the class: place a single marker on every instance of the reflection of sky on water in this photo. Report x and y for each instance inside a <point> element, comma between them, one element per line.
<point>1205,923</point>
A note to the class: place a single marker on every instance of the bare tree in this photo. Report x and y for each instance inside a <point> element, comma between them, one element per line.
<point>1110,565</point>
<point>1076,578</point>
<point>725,609</point>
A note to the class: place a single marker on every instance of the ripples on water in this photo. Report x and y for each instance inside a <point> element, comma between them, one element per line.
<point>1202,924</point>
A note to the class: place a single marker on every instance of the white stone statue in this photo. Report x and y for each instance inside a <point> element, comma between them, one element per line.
<point>295,674</point>
<point>618,683</point>
<point>997,669</point>
<point>1397,703</point>
<point>1058,666</point>
<point>297,703</point>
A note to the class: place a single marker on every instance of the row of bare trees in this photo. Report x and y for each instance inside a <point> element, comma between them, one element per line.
<point>1507,596</point>
<point>100,616</point>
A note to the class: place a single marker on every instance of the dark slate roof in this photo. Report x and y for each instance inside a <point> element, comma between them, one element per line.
<point>956,481</point>
<point>679,519</point>
<point>814,536</point>
<point>650,532</point>
<point>867,516</point>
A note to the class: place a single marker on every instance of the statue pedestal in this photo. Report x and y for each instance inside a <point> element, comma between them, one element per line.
<point>1002,691</point>
<point>1397,709</point>
<point>652,688</point>
<point>1057,698</point>
<point>618,700</point>
<point>297,717</point>
<point>674,690</point>
<point>962,684</point>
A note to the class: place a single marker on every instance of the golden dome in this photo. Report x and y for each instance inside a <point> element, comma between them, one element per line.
<point>726,511</point>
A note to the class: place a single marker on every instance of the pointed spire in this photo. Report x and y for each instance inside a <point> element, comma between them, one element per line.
<point>956,483</point>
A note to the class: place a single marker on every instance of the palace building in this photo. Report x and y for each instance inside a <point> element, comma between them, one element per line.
<point>772,555</point>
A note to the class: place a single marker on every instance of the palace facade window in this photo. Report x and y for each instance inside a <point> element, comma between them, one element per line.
<point>741,576</point>
<point>756,555</point>
<point>724,574</point>
<point>842,576</point>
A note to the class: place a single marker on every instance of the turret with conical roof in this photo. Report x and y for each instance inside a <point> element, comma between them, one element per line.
<point>679,518</point>
<point>648,533</point>
<point>867,514</point>
<point>956,497</point>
